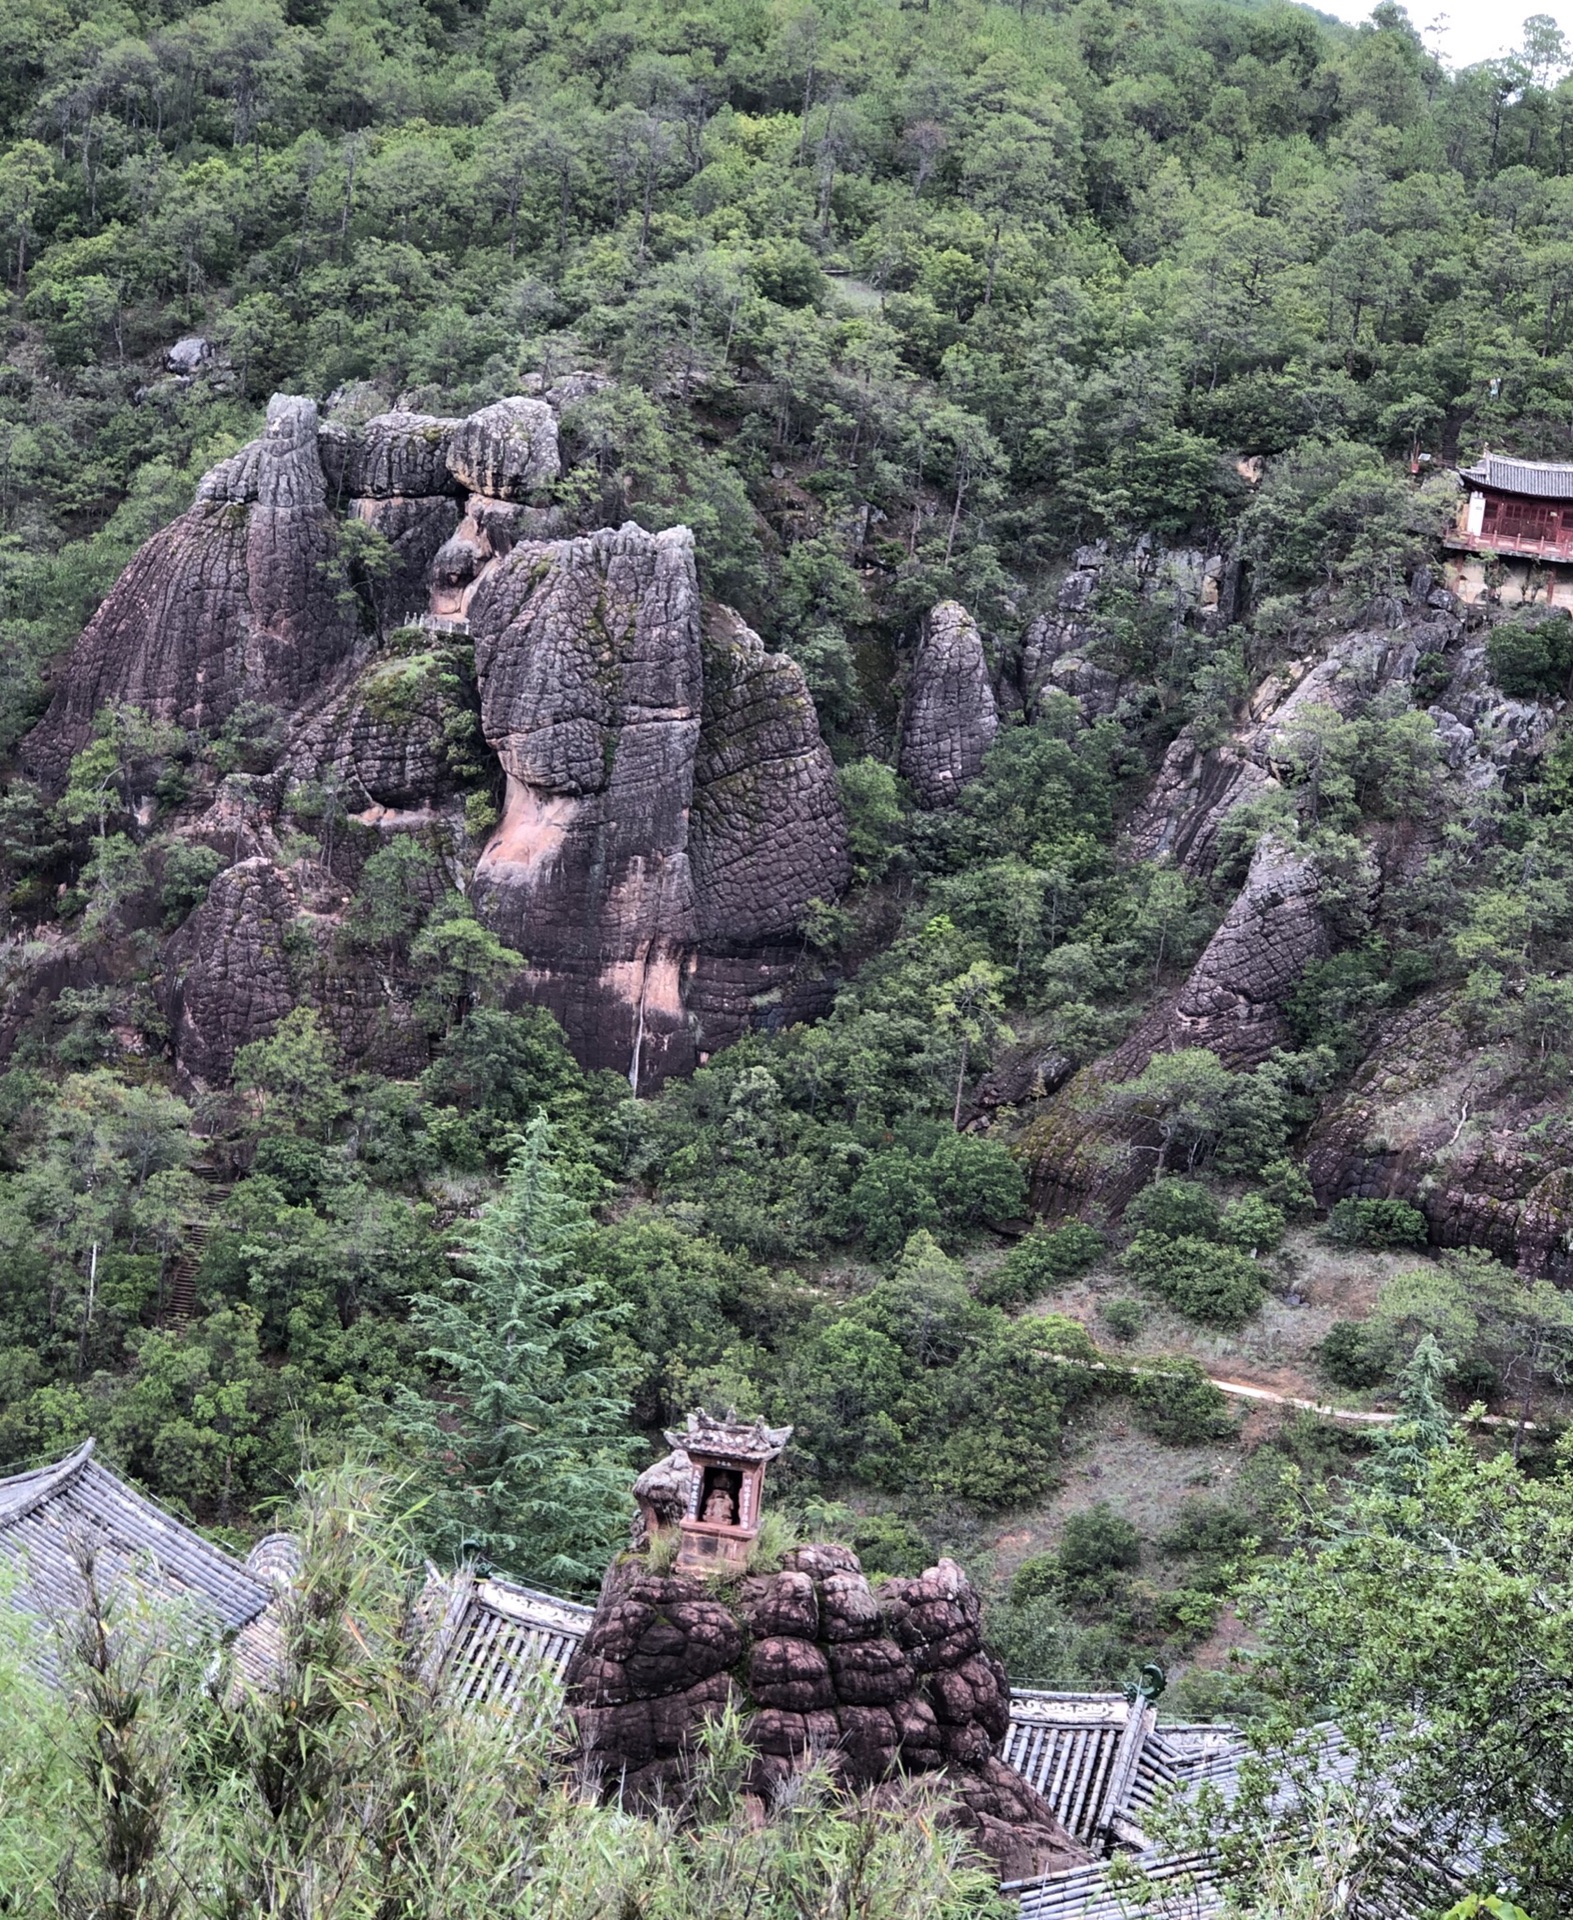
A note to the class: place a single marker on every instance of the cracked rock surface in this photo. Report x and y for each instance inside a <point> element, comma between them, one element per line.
<point>242,597</point>
<point>823,1667</point>
<point>1232,1003</point>
<point>230,967</point>
<point>950,717</point>
<point>670,809</point>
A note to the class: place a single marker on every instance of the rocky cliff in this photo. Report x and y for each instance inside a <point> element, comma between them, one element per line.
<point>668,807</point>
<point>821,1665</point>
<point>1428,1116</point>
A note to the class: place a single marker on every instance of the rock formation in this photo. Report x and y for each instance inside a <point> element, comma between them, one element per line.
<point>1455,1130</point>
<point>669,811</point>
<point>1061,652</point>
<point>242,597</point>
<point>949,719</point>
<point>661,822</point>
<point>822,1665</point>
<point>229,967</point>
<point>1231,1003</point>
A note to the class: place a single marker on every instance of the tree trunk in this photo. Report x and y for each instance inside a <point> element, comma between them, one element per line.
<point>955,514</point>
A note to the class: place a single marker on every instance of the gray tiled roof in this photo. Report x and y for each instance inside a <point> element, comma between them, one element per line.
<point>496,1635</point>
<point>49,1515</point>
<point>1541,481</point>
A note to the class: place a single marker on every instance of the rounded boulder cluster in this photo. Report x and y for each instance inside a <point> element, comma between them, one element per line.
<point>823,1667</point>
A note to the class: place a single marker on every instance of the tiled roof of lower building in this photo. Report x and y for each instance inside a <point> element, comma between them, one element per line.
<point>52,1516</point>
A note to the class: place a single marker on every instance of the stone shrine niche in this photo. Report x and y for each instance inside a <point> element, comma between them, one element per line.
<point>726,1476</point>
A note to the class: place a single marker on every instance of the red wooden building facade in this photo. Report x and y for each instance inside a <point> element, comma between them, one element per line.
<point>1517,507</point>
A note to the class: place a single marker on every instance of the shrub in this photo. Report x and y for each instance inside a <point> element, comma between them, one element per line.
<point>1350,1357</point>
<point>1045,1259</point>
<point>1174,1208</point>
<point>1096,1542</point>
<point>1215,1285</point>
<point>1037,1578</point>
<point>1208,1530</point>
<point>1531,659</point>
<point>1203,1693</point>
<point>1182,1406</point>
<point>1376,1224</point>
<point>1288,1186</point>
<point>887,1544</point>
<point>1252,1224</point>
<point>1123,1317</point>
<point>975,1180</point>
<point>891,1197</point>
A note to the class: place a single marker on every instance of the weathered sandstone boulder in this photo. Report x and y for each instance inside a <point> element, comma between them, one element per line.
<point>1080,1150</point>
<point>949,719</point>
<point>1457,1130</point>
<point>507,451</point>
<point>824,1667</point>
<point>653,819</point>
<point>242,597</point>
<point>401,455</point>
<point>670,809</point>
<point>227,970</point>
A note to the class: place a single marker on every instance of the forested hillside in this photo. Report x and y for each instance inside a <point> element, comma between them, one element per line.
<point>1113,901</point>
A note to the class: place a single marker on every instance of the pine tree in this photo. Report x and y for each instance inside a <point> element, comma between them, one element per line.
<point>524,1453</point>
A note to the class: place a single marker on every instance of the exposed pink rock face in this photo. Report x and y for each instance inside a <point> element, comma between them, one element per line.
<point>587,655</point>
<point>950,718</point>
<point>871,1682</point>
<point>670,807</point>
<point>241,597</point>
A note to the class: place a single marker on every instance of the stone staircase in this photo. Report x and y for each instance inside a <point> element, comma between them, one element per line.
<point>179,1294</point>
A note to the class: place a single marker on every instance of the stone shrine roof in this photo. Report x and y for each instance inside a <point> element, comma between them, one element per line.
<point>730,1437</point>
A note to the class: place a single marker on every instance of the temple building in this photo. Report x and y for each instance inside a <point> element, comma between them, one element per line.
<point>1512,541</point>
<point>1102,1761</point>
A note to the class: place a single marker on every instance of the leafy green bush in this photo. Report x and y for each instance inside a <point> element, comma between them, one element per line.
<point>1288,1186</point>
<point>1096,1542</point>
<point>1206,1694</point>
<point>1123,1317</point>
<point>1035,1579</point>
<point>1216,1285</point>
<point>1045,1259</point>
<point>1532,659</point>
<point>1181,1406</point>
<point>888,1544</point>
<point>1251,1224</point>
<point>1208,1530</point>
<point>1174,1208</point>
<point>1351,1358</point>
<point>1377,1224</point>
